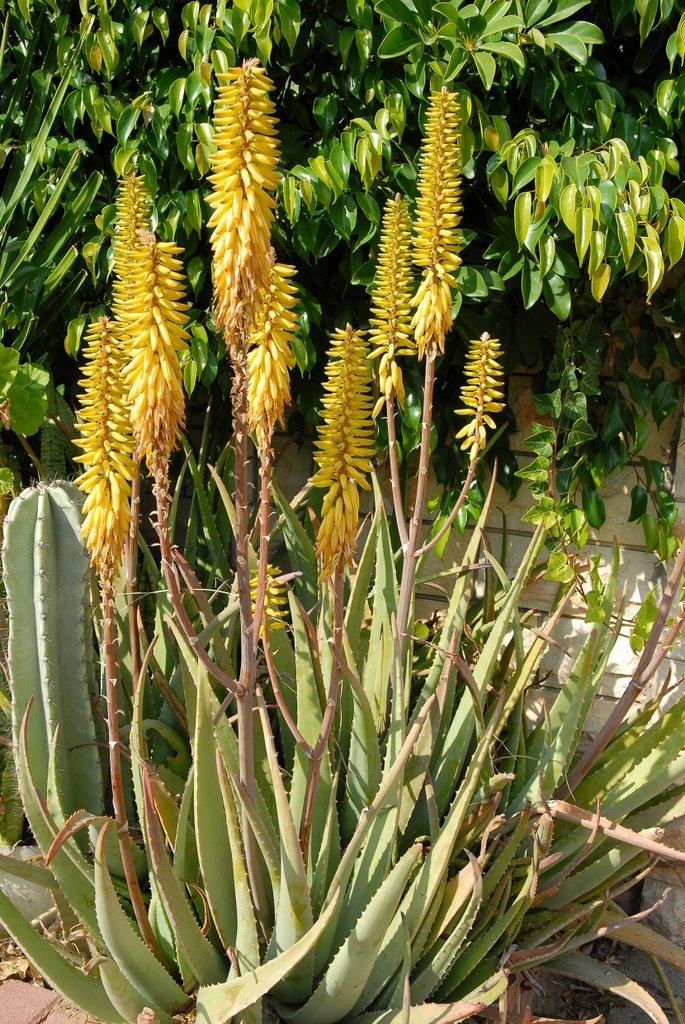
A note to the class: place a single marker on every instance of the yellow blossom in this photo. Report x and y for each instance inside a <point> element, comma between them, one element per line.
<point>390,334</point>
<point>244,176</point>
<point>132,217</point>
<point>155,321</point>
<point>481,394</point>
<point>437,240</point>
<point>270,358</point>
<point>344,448</point>
<point>275,599</point>
<point>106,442</point>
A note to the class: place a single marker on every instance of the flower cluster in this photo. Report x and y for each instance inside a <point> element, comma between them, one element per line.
<point>106,442</point>
<point>244,177</point>
<point>132,217</point>
<point>437,240</point>
<point>390,334</point>
<point>344,447</point>
<point>481,394</point>
<point>270,358</point>
<point>155,323</point>
<point>275,599</point>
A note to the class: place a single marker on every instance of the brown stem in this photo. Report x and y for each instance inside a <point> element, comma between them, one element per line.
<point>110,644</point>
<point>316,757</point>
<point>655,650</point>
<point>130,564</point>
<point>395,472</point>
<point>410,557</point>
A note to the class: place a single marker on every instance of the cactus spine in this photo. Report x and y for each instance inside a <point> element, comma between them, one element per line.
<point>46,576</point>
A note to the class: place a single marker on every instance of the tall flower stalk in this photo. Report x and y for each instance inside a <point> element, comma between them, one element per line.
<point>244,179</point>
<point>391,333</point>
<point>106,442</point>
<point>436,250</point>
<point>269,362</point>
<point>343,453</point>
<point>482,397</point>
<point>133,216</point>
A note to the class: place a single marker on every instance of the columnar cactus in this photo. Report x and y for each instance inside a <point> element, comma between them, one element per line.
<point>46,575</point>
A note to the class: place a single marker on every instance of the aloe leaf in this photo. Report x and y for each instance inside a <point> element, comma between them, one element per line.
<point>205,962</point>
<point>32,873</point>
<point>364,829</point>
<point>216,1004</point>
<point>428,1013</point>
<point>359,592</point>
<point>606,978</point>
<point>375,672</point>
<point>300,550</point>
<point>293,916</point>
<point>439,960</point>
<point>338,990</point>
<point>309,718</point>
<point>455,616</point>
<point>72,872</point>
<point>461,728</point>
<point>329,856</point>
<point>471,964</point>
<point>594,876</point>
<point>211,835</point>
<point>415,776</point>
<point>283,657</point>
<point>566,719</point>
<point>136,961</point>
<point>67,979</point>
<point>422,902</point>
<point>657,762</point>
<point>640,936</point>
<point>126,999</point>
<point>246,940</point>
<point>363,774</point>
<point>186,869</point>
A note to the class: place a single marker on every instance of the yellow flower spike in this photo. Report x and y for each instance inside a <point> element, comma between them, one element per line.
<point>390,334</point>
<point>344,448</point>
<point>155,321</point>
<point>270,358</point>
<point>481,394</point>
<point>244,176</point>
<point>132,217</point>
<point>106,442</point>
<point>438,213</point>
<point>275,601</point>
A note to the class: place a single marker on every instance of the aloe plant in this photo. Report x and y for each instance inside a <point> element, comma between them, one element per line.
<point>333,820</point>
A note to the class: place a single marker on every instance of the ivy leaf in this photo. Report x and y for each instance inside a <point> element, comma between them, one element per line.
<point>549,403</point>
<point>541,441</point>
<point>558,568</point>
<point>545,512</point>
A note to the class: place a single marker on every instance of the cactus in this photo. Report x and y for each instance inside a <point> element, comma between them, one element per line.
<point>46,578</point>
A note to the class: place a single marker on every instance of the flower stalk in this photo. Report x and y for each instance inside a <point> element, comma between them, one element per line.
<point>106,443</point>
<point>391,333</point>
<point>436,249</point>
